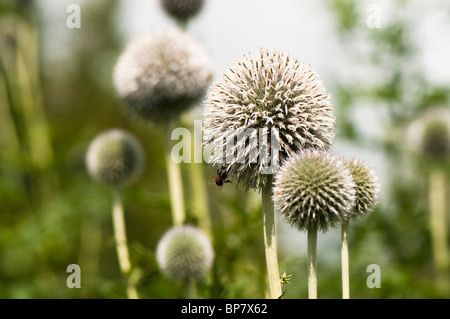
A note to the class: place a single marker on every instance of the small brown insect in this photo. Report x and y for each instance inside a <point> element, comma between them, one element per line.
<point>220,178</point>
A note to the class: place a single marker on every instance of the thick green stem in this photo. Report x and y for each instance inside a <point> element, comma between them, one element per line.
<point>120,236</point>
<point>191,289</point>
<point>200,198</point>
<point>30,97</point>
<point>312,257</point>
<point>270,242</point>
<point>182,24</point>
<point>345,261</point>
<point>9,131</point>
<point>438,223</point>
<point>200,205</point>
<point>175,182</point>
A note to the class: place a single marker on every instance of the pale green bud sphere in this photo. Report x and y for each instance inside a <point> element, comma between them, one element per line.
<point>314,189</point>
<point>429,134</point>
<point>366,186</point>
<point>185,252</point>
<point>115,158</point>
<point>436,139</point>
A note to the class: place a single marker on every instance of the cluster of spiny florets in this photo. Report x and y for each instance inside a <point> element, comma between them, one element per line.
<point>270,92</point>
<point>185,252</point>
<point>314,189</point>
<point>182,9</point>
<point>162,74</point>
<point>115,158</point>
<point>366,186</point>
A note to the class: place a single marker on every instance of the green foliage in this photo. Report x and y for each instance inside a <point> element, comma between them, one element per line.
<point>347,14</point>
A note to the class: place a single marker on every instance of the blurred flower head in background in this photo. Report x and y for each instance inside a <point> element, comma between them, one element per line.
<point>366,186</point>
<point>115,158</point>
<point>185,252</point>
<point>429,134</point>
<point>182,9</point>
<point>161,74</point>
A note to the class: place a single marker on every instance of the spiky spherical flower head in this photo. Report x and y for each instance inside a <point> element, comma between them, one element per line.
<point>185,252</point>
<point>115,158</point>
<point>366,186</point>
<point>436,139</point>
<point>270,92</point>
<point>161,74</point>
<point>429,134</point>
<point>182,9</point>
<point>314,188</point>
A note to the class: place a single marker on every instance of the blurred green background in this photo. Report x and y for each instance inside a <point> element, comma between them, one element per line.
<point>56,94</point>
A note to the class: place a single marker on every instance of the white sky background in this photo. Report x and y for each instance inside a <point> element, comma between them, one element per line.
<point>229,29</point>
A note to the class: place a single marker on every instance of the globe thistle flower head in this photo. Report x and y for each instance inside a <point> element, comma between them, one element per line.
<point>429,134</point>
<point>314,188</point>
<point>161,74</point>
<point>115,158</point>
<point>436,139</point>
<point>270,92</point>
<point>185,252</point>
<point>366,186</point>
<point>182,10</point>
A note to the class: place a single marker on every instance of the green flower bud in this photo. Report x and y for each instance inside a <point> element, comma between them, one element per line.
<point>366,186</point>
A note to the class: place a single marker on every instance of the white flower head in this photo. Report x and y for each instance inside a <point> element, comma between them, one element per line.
<point>366,185</point>
<point>185,252</point>
<point>429,134</point>
<point>314,188</point>
<point>115,158</point>
<point>161,74</point>
<point>268,95</point>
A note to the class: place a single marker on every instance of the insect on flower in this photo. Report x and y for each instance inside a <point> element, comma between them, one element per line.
<point>220,178</point>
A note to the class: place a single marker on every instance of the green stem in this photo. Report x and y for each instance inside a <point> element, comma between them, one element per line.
<point>200,204</point>
<point>90,245</point>
<point>345,261</point>
<point>312,258</point>
<point>270,242</point>
<point>191,290</point>
<point>175,182</point>
<point>200,198</point>
<point>41,151</point>
<point>18,125</point>
<point>8,117</point>
<point>20,69</point>
<point>121,244</point>
<point>437,199</point>
<point>182,24</point>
